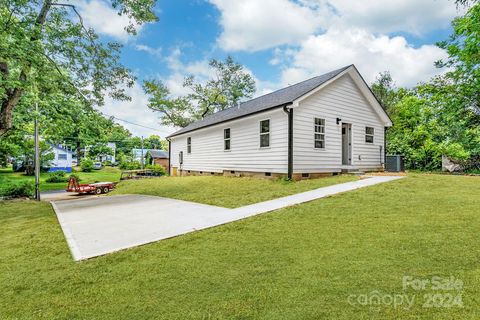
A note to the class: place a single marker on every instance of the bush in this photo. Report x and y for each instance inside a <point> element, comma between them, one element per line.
<point>86,165</point>
<point>57,176</point>
<point>132,165</point>
<point>20,189</point>
<point>157,169</point>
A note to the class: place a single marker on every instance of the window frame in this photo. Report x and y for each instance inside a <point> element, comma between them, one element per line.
<point>320,133</point>
<point>64,156</point>
<point>225,139</point>
<point>264,133</point>
<point>367,135</point>
<point>189,145</point>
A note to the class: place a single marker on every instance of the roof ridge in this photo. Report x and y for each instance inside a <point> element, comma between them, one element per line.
<point>262,103</point>
<point>278,90</point>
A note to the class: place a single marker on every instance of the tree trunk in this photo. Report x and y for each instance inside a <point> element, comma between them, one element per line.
<point>14,95</point>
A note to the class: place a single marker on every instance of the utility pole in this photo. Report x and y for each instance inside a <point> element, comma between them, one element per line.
<point>143,166</point>
<point>37,156</point>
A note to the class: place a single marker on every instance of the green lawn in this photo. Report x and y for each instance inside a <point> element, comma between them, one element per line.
<point>302,262</point>
<point>229,192</point>
<point>105,174</point>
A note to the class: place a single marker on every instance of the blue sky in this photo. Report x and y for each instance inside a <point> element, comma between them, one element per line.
<point>280,42</point>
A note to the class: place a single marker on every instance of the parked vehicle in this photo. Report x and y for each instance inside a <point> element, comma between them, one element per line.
<point>96,188</point>
<point>97,165</point>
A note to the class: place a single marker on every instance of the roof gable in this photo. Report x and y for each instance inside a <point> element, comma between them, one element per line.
<point>363,88</point>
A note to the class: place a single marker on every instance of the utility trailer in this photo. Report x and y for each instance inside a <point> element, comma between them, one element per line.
<point>95,188</point>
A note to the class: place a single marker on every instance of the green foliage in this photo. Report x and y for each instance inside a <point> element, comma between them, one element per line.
<point>130,165</point>
<point>86,165</point>
<point>231,84</point>
<point>158,169</point>
<point>57,176</point>
<point>18,189</point>
<point>44,45</point>
<point>442,116</point>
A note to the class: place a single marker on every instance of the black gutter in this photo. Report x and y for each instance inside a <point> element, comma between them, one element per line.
<point>169,156</point>
<point>289,111</point>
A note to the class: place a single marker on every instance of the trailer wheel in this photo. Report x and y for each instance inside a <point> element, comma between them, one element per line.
<point>106,189</point>
<point>98,191</point>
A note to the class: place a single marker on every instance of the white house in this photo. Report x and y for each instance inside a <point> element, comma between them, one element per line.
<point>62,158</point>
<point>328,124</point>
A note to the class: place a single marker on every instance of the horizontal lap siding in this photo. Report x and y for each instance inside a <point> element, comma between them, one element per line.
<point>245,154</point>
<point>341,99</point>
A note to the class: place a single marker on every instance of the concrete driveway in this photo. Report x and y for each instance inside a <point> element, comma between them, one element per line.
<point>96,226</point>
<point>100,225</point>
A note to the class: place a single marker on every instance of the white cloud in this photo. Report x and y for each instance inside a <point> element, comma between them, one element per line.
<point>371,54</point>
<point>156,52</point>
<point>384,16</point>
<point>136,111</point>
<point>100,16</point>
<point>254,25</point>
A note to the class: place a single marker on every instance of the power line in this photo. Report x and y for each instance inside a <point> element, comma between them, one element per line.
<point>130,122</point>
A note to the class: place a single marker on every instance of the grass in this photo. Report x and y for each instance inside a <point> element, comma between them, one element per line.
<point>105,174</point>
<point>229,192</point>
<point>301,262</point>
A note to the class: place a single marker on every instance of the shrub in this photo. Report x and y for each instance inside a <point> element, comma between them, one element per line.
<point>157,169</point>
<point>20,189</point>
<point>133,165</point>
<point>86,165</point>
<point>57,176</point>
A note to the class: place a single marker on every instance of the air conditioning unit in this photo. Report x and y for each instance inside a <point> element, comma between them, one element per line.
<point>395,163</point>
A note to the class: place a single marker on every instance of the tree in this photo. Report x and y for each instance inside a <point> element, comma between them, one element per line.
<point>99,150</point>
<point>230,85</point>
<point>38,36</point>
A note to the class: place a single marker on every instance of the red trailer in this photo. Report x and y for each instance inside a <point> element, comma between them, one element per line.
<point>96,188</point>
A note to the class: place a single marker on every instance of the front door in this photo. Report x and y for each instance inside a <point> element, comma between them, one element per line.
<point>346,143</point>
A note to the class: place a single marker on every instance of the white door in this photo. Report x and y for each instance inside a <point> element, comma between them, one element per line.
<point>346,144</point>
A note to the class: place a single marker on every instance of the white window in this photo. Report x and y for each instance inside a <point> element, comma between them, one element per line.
<point>369,133</point>
<point>62,156</point>
<point>189,145</point>
<point>226,139</point>
<point>264,133</point>
<point>319,134</point>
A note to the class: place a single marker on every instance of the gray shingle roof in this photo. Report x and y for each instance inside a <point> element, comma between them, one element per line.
<point>158,153</point>
<point>271,100</point>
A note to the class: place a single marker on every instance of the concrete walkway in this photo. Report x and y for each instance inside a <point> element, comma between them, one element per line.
<point>100,225</point>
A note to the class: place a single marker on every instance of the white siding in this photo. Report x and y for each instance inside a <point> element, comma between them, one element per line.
<point>341,99</point>
<point>245,153</point>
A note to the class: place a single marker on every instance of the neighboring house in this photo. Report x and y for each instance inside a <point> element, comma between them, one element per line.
<point>328,124</point>
<point>139,153</point>
<point>111,158</point>
<point>159,157</point>
<point>62,158</point>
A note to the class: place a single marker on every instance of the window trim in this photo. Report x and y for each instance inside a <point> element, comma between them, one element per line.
<point>189,145</point>
<point>64,156</point>
<point>229,139</point>
<point>322,134</point>
<point>260,134</point>
<point>370,135</point>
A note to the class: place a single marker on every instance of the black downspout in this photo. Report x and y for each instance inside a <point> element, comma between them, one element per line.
<point>169,156</point>
<point>289,111</point>
<point>385,147</point>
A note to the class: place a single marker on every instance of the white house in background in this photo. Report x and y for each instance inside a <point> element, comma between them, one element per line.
<point>328,124</point>
<point>62,158</point>
<point>111,158</point>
